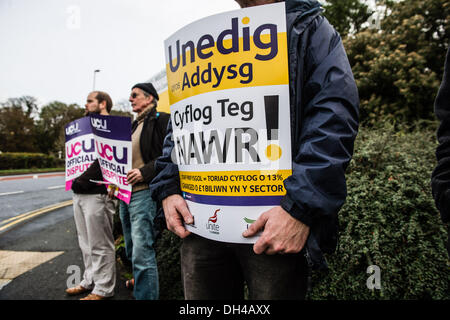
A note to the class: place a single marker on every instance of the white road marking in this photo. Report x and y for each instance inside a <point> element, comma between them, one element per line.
<point>55,187</point>
<point>15,263</point>
<point>10,193</point>
<point>4,282</point>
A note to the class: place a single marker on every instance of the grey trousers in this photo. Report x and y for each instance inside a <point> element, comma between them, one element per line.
<point>93,215</point>
<point>218,270</point>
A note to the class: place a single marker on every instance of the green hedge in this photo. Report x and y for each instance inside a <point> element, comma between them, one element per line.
<point>169,268</point>
<point>11,160</point>
<point>388,220</point>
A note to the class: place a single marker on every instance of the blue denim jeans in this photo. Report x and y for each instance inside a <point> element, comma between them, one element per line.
<point>139,236</point>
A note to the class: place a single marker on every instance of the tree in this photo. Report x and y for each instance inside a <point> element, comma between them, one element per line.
<point>20,132</point>
<point>50,126</point>
<point>424,27</point>
<point>122,108</point>
<point>346,15</point>
<point>398,68</point>
<point>17,125</point>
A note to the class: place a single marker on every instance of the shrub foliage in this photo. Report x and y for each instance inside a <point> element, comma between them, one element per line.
<point>169,268</point>
<point>389,220</point>
<point>399,67</point>
<point>22,160</point>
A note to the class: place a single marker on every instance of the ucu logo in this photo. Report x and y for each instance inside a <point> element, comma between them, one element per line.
<point>76,148</point>
<point>72,129</point>
<point>106,152</point>
<point>99,124</point>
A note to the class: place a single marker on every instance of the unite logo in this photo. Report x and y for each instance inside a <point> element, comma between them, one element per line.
<point>72,129</point>
<point>212,225</point>
<point>100,124</point>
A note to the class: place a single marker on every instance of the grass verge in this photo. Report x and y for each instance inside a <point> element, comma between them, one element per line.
<point>25,171</point>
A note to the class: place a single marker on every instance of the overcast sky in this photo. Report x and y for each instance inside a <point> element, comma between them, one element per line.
<point>50,48</point>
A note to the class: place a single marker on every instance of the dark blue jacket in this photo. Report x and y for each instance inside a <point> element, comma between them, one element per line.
<point>440,177</point>
<point>324,121</point>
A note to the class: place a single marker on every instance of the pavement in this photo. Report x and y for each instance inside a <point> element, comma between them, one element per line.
<point>39,259</point>
<point>32,176</point>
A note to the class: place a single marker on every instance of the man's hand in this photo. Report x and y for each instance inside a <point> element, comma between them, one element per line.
<point>111,190</point>
<point>134,176</point>
<point>176,211</point>
<point>282,232</point>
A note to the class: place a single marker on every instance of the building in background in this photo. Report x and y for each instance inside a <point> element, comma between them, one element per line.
<point>159,81</point>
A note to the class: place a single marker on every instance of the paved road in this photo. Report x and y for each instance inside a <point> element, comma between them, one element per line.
<point>52,232</point>
<point>37,253</point>
<point>24,193</point>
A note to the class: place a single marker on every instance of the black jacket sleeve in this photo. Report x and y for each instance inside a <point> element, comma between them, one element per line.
<point>83,185</point>
<point>152,144</point>
<point>440,178</point>
<point>167,180</point>
<point>317,187</point>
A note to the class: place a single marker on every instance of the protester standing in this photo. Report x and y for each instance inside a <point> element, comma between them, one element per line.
<point>93,214</point>
<point>148,132</point>
<point>324,117</point>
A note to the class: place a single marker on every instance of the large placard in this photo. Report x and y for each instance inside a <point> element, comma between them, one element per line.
<point>80,149</point>
<point>113,145</point>
<point>107,138</point>
<point>228,87</point>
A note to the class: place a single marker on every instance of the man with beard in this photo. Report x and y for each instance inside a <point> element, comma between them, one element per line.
<point>93,213</point>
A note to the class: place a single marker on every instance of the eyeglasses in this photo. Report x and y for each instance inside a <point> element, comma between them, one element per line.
<point>134,95</point>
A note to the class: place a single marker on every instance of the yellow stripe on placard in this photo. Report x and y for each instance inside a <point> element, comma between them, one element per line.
<point>235,183</point>
<point>163,102</point>
<point>240,69</point>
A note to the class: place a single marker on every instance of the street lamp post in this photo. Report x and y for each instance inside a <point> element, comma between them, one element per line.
<point>95,72</point>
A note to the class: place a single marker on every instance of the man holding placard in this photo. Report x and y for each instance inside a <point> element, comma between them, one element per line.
<point>148,132</point>
<point>93,214</point>
<point>264,114</point>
